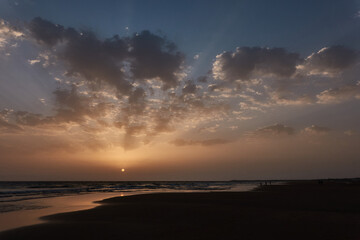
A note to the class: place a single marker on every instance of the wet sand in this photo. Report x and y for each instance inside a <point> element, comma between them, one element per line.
<point>300,210</point>
<point>36,208</point>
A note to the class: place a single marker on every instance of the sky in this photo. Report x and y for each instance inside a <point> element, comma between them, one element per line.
<point>179,90</point>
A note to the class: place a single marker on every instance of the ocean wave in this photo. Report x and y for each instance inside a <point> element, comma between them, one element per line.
<point>11,192</point>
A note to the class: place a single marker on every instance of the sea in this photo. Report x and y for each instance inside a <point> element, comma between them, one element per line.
<point>24,203</point>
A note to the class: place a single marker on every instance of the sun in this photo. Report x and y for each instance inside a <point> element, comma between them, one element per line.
<point>123,169</point>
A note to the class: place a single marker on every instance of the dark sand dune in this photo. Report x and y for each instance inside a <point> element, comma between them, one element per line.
<point>304,210</point>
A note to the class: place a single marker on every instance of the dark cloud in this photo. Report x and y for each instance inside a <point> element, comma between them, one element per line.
<point>137,102</point>
<point>276,129</point>
<point>164,117</point>
<point>246,62</point>
<point>46,32</point>
<point>202,79</point>
<point>135,129</point>
<point>163,124</point>
<point>84,53</point>
<point>189,88</point>
<point>98,61</point>
<point>73,107</point>
<point>149,55</point>
<point>155,57</point>
<point>208,142</point>
<point>331,60</point>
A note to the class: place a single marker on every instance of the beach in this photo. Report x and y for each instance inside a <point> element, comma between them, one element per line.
<point>24,203</point>
<point>299,210</point>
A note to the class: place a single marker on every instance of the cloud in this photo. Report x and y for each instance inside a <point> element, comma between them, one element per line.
<point>97,61</point>
<point>340,94</point>
<point>5,125</point>
<point>314,129</point>
<point>189,88</point>
<point>281,98</point>
<point>208,142</point>
<point>330,61</point>
<point>84,53</point>
<point>144,70</point>
<point>269,88</point>
<point>8,33</point>
<point>281,78</point>
<point>277,129</point>
<point>202,79</point>
<point>115,61</point>
<point>163,124</point>
<point>210,128</point>
<point>46,32</point>
<point>25,118</point>
<point>73,107</point>
<point>7,30</point>
<point>350,133</point>
<point>70,106</point>
<point>8,127</point>
<point>155,57</point>
<point>130,64</point>
<point>247,62</point>
<point>137,102</point>
<point>136,86</point>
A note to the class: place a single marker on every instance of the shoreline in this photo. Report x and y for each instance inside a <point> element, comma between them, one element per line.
<point>297,210</point>
<point>30,211</point>
<point>34,209</point>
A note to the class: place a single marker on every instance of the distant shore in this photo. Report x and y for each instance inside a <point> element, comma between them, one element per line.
<point>299,210</point>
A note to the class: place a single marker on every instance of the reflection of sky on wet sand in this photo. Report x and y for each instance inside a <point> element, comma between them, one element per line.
<point>54,205</point>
